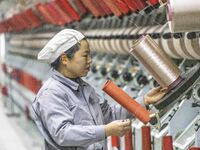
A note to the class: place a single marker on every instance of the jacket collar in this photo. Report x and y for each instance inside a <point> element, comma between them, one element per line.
<point>74,84</point>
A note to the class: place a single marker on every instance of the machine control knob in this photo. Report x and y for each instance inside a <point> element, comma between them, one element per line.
<point>178,35</point>
<point>142,80</point>
<point>94,69</point>
<point>127,76</point>
<point>103,71</point>
<point>155,83</point>
<point>167,36</point>
<point>155,35</point>
<point>196,126</point>
<point>114,74</point>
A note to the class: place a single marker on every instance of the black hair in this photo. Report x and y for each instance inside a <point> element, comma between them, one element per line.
<point>69,53</point>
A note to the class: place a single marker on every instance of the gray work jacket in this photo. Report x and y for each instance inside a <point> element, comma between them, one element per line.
<point>71,115</point>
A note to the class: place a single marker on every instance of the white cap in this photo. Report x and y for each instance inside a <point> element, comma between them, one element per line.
<point>60,43</point>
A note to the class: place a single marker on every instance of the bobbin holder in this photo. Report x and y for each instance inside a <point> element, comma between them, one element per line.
<point>190,78</point>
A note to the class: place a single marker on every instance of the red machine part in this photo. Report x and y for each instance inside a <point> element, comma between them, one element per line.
<point>115,141</point>
<point>4,91</point>
<point>194,148</point>
<point>146,138</point>
<point>128,141</point>
<point>153,2</point>
<point>27,80</point>
<point>2,27</point>
<point>167,142</point>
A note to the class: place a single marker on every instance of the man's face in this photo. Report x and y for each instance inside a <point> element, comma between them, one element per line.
<point>79,65</point>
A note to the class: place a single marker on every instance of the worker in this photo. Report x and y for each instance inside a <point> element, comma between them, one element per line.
<point>69,113</point>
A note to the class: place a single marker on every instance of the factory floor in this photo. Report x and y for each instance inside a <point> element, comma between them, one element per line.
<point>16,132</point>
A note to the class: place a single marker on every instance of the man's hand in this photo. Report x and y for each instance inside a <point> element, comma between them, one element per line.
<point>118,127</point>
<point>154,95</point>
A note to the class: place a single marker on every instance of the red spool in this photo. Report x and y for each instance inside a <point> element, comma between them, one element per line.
<point>113,7</point>
<point>50,8</point>
<point>63,19</point>
<point>43,11</point>
<point>36,22</point>
<point>69,10</point>
<point>141,4</point>
<point>105,7</point>
<point>92,7</point>
<point>126,101</point>
<point>122,6</point>
<point>80,6</point>
<point>131,4</point>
